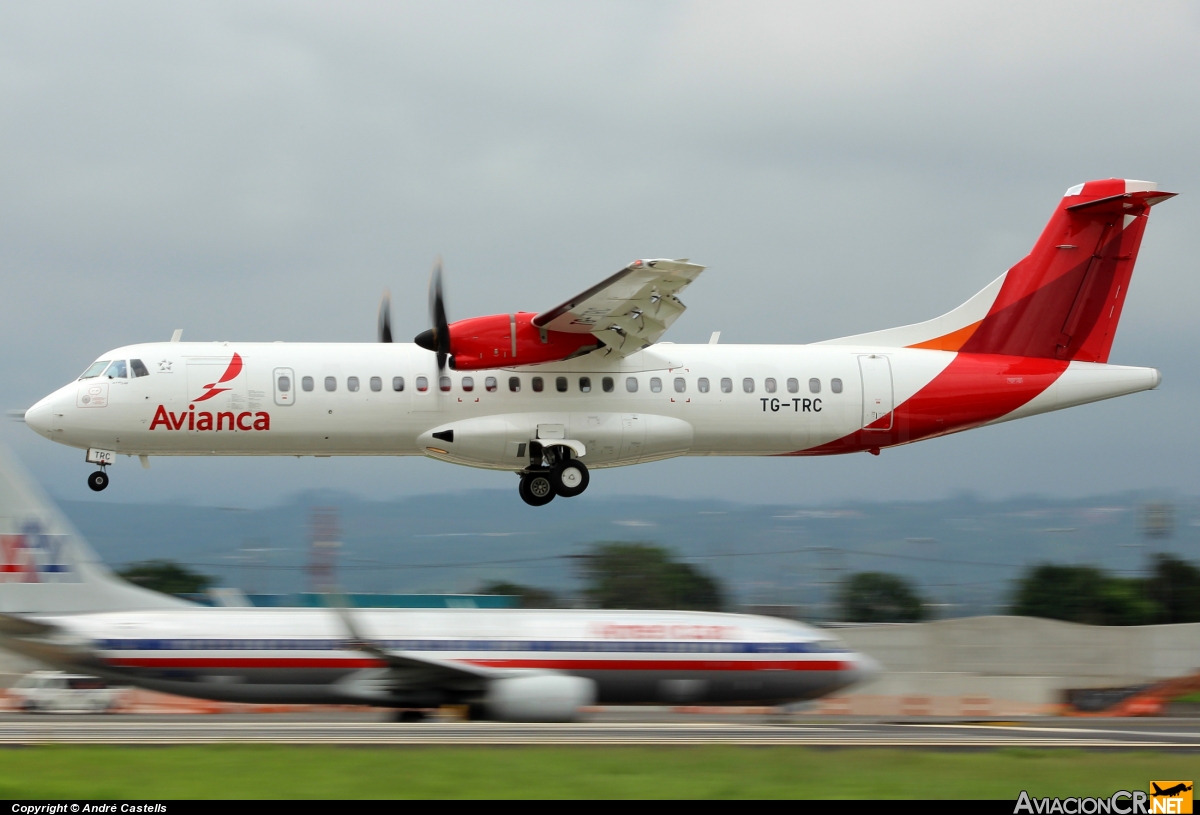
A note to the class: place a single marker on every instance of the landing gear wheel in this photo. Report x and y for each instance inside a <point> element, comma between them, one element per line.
<point>98,480</point>
<point>570,477</point>
<point>537,489</point>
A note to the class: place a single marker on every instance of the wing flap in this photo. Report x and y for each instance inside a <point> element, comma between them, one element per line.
<point>631,309</point>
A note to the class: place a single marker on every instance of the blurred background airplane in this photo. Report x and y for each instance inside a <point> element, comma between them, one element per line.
<point>61,606</point>
<point>590,381</point>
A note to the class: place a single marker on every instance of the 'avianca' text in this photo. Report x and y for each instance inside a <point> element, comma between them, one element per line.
<point>225,420</point>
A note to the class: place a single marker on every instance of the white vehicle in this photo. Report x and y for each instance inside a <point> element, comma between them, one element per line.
<point>61,606</point>
<point>59,692</point>
<point>589,381</point>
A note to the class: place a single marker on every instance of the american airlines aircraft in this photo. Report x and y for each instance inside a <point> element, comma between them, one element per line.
<point>60,605</point>
<point>588,384</point>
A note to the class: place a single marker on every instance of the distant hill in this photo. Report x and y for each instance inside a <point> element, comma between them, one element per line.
<point>962,551</point>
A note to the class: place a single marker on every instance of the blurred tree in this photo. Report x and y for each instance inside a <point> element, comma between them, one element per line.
<point>529,596</point>
<point>166,576</point>
<point>876,597</point>
<point>1083,594</point>
<point>1174,585</point>
<point>642,575</point>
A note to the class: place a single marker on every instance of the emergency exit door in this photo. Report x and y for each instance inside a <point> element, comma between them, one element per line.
<point>285,386</point>
<point>877,395</point>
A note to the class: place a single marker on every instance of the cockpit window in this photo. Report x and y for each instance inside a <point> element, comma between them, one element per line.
<point>118,370</point>
<point>95,369</point>
<point>138,367</point>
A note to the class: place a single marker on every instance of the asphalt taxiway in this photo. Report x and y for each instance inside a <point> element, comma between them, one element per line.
<point>616,729</point>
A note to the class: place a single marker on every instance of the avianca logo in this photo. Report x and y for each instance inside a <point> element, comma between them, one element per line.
<point>204,420</point>
<point>32,556</point>
<point>211,389</point>
<point>223,420</point>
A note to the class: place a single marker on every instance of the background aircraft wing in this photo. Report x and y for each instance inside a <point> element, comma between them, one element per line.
<point>628,311</point>
<point>409,671</point>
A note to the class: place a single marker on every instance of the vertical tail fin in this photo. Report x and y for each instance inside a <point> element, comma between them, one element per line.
<point>46,566</point>
<point>1064,299</point>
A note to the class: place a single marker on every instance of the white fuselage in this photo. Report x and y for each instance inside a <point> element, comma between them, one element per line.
<point>308,399</point>
<point>302,655</point>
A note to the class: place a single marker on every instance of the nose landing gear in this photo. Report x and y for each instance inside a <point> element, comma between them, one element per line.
<point>98,480</point>
<point>556,474</point>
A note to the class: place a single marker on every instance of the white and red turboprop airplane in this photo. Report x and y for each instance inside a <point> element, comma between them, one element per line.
<point>60,605</point>
<point>588,385</point>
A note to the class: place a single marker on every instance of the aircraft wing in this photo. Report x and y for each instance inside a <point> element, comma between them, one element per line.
<point>408,671</point>
<point>628,311</point>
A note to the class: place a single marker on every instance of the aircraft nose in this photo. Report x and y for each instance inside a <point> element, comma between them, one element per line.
<point>865,669</point>
<point>39,417</point>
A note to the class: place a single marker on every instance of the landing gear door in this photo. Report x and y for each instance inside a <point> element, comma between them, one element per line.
<point>285,386</point>
<point>876,392</point>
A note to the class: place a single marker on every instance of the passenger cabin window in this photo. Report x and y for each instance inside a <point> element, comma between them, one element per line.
<point>560,384</point>
<point>748,385</point>
<point>793,385</point>
<point>538,384</point>
<point>702,384</point>
<point>680,384</point>
<point>284,383</point>
<point>835,385</point>
<point>631,384</point>
<point>422,384</point>
<point>138,367</point>
<point>307,383</point>
<point>330,384</point>
<point>95,369</point>
<point>726,385</point>
<point>376,384</point>
<point>468,383</point>
<point>585,384</point>
<point>769,385</point>
<point>514,384</point>
<point>118,370</point>
<point>444,383</point>
<point>814,385</point>
<point>607,384</point>
<point>352,384</point>
<point>397,383</point>
<point>490,384</point>
<point>655,384</point>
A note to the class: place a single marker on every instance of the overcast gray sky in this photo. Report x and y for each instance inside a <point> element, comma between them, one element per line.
<point>261,171</point>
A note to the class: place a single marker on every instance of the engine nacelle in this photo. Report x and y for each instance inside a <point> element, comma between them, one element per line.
<point>502,442</point>
<point>538,698</point>
<point>501,340</point>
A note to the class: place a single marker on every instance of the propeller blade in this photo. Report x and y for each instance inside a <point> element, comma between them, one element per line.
<point>437,338</point>
<point>437,315</point>
<point>385,317</point>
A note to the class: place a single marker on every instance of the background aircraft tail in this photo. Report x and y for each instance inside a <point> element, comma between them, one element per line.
<point>1064,299</point>
<point>46,566</point>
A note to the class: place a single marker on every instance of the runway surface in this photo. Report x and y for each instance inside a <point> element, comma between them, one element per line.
<point>372,729</point>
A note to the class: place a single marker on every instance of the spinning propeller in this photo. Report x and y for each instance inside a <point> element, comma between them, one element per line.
<point>436,339</point>
<point>385,317</point>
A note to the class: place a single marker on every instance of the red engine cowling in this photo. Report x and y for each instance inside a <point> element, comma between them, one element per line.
<point>501,340</point>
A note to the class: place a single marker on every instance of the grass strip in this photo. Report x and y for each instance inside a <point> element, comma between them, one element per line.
<point>245,771</point>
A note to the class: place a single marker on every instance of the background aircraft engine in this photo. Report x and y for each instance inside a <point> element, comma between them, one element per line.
<point>500,340</point>
<point>538,698</point>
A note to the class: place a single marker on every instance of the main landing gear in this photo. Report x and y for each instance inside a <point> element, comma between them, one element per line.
<point>98,480</point>
<point>559,474</point>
